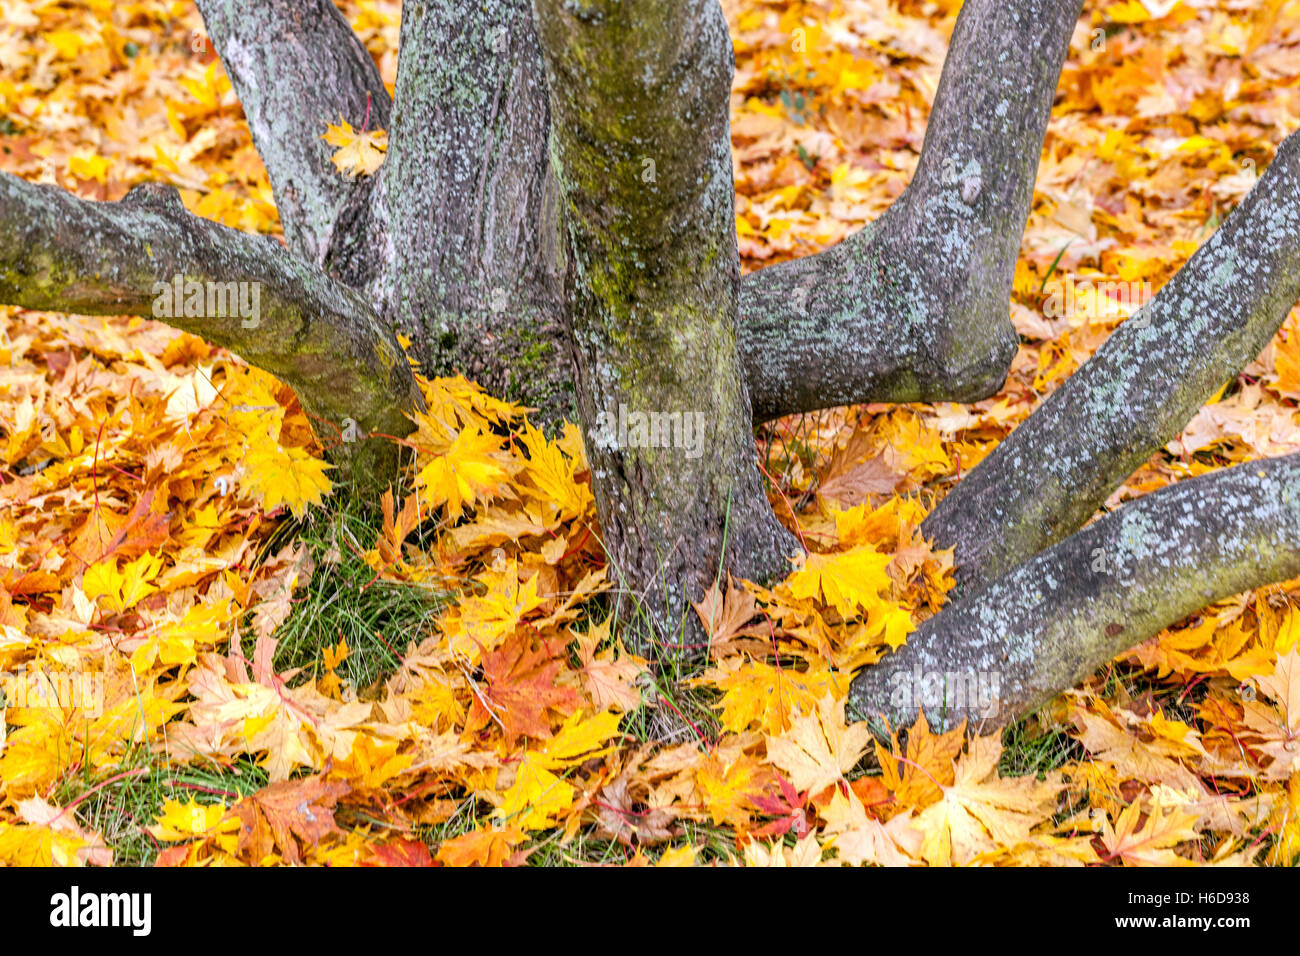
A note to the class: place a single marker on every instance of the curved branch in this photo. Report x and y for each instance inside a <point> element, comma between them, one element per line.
<point>1047,624</point>
<point>296,65</point>
<point>58,252</point>
<point>1138,391</point>
<point>914,307</point>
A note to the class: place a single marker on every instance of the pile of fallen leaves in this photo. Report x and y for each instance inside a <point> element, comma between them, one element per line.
<point>146,579</point>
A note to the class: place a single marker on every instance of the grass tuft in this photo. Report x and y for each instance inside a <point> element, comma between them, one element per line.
<point>345,600</point>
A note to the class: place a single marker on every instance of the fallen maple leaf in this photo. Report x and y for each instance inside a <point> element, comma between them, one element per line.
<point>819,748</point>
<point>519,690</point>
<point>1278,727</point>
<point>859,838</point>
<point>1146,839</point>
<point>610,681</point>
<point>850,582</point>
<point>982,811</point>
<point>490,846</point>
<point>290,817</point>
<point>400,852</point>
<point>724,616</point>
<point>917,778</point>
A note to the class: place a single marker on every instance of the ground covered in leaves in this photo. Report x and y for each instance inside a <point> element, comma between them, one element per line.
<point>214,657</point>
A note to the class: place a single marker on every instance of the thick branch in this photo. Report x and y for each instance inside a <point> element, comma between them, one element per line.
<point>915,306</point>
<point>1047,624</point>
<point>475,263</point>
<point>640,145</point>
<point>281,314</point>
<point>296,65</point>
<point>1139,389</point>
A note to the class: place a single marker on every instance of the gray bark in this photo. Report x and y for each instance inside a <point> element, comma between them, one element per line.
<point>1138,391</point>
<point>473,257</point>
<point>914,308</point>
<point>477,283</point>
<point>104,258</point>
<point>296,66</point>
<point>641,148</point>
<point>1049,623</point>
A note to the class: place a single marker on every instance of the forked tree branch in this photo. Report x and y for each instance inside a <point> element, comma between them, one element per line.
<point>58,252</point>
<point>914,307</point>
<point>1048,623</point>
<point>1139,389</point>
<point>296,65</point>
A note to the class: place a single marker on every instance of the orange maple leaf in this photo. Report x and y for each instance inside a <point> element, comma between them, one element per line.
<point>519,687</point>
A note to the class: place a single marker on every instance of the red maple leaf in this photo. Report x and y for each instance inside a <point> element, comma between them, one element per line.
<point>519,687</point>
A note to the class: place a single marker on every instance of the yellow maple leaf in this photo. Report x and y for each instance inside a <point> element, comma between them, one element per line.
<point>482,622</point>
<point>89,166</point>
<point>578,740</point>
<point>284,476</point>
<point>189,820</point>
<point>850,582</point>
<point>677,856</point>
<point>537,797</point>
<point>982,811</point>
<point>553,474</point>
<point>116,590</point>
<point>177,643</point>
<point>819,748</point>
<point>762,696</point>
<point>356,154</point>
<point>68,43</point>
<point>726,783</point>
<point>473,469</point>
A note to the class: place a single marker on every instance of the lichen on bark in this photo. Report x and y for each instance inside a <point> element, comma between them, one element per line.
<point>1051,621</point>
<point>1139,389</point>
<point>641,150</point>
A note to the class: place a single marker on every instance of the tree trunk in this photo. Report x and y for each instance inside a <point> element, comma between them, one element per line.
<point>472,261</point>
<point>641,148</point>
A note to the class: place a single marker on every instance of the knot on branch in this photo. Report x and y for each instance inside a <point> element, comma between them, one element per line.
<point>160,197</point>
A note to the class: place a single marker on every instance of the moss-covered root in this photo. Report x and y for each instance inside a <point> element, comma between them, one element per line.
<point>640,147</point>
<point>147,255</point>
<point>1138,391</point>
<point>914,307</point>
<point>1047,624</point>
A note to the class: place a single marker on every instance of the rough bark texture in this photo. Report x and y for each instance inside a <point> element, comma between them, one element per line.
<point>473,253</point>
<point>1139,389</point>
<point>1050,622</point>
<point>641,148</point>
<point>915,306</point>
<point>296,66</point>
<point>611,245</point>
<point>60,252</point>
